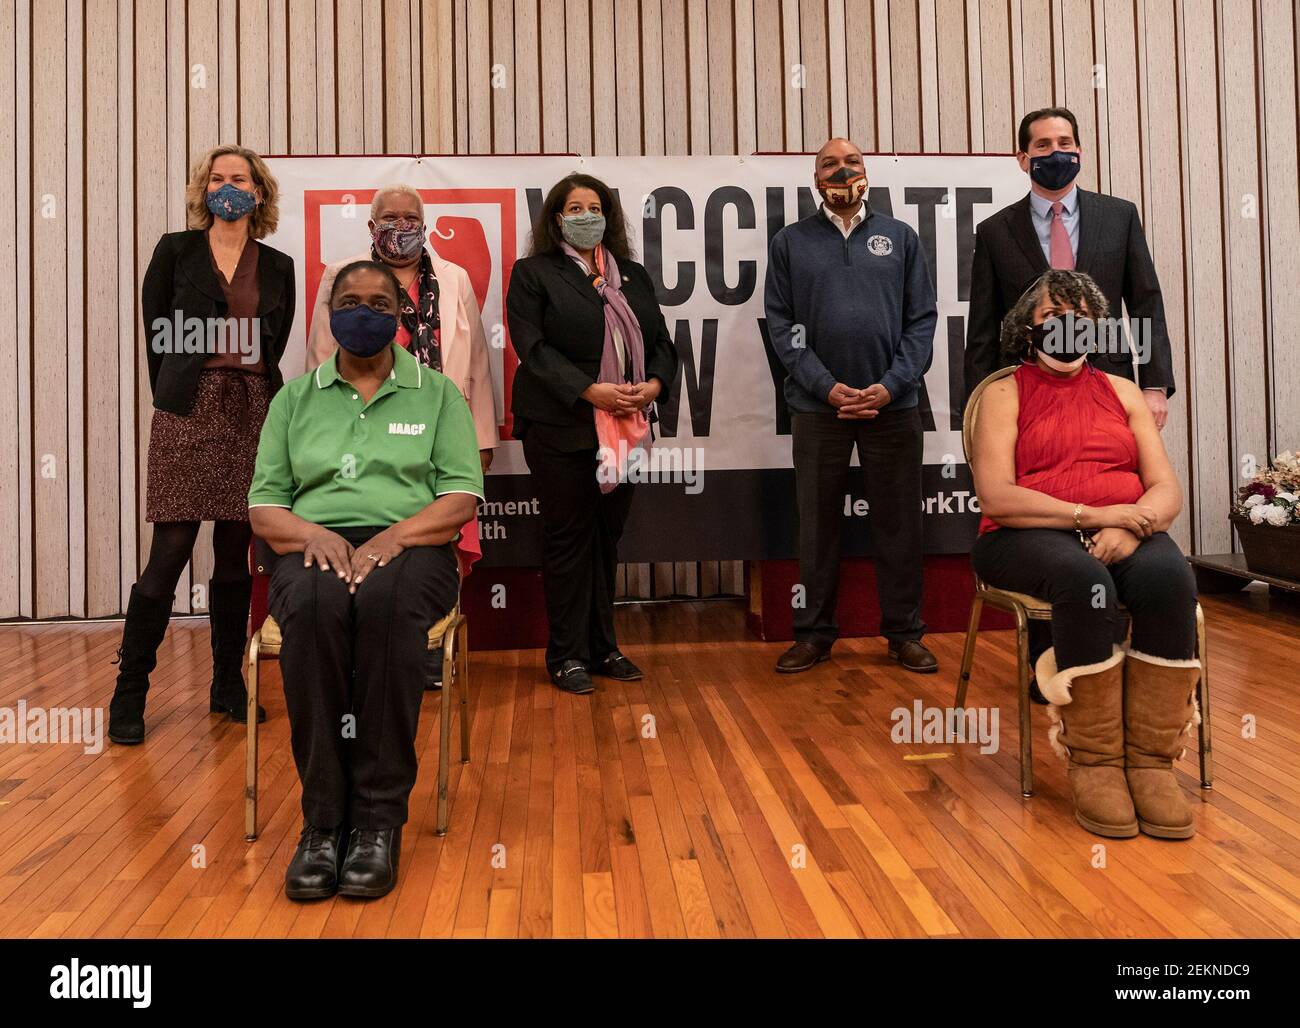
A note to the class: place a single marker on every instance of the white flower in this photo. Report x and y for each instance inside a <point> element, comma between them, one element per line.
<point>1289,497</point>
<point>1275,515</point>
<point>1254,500</point>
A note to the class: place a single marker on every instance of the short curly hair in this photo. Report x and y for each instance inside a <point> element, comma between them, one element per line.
<point>1073,289</point>
<point>265,217</point>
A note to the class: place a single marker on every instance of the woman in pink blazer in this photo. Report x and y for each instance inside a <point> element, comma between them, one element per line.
<point>439,321</point>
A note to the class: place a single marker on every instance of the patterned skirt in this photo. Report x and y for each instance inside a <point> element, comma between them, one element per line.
<point>201,464</point>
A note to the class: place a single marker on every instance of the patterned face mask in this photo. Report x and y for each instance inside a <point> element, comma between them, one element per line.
<point>843,187</point>
<point>230,203</point>
<point>398,240</point>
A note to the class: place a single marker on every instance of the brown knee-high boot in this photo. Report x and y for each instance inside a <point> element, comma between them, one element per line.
<point>1087,711</point>
<point>1159,713</point>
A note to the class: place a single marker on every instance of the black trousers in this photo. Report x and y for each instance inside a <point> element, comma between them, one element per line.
<point>354,669</point>
<point>581,527</point>
<point>1155,583</point>
<point>890,451</point>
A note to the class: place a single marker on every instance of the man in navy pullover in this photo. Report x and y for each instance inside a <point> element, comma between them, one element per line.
<point>851,313</point>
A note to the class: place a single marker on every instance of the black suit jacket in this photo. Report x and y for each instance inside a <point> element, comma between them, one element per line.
<point>1112,249</point>
<point>557,327</point>
<point>180,278</point>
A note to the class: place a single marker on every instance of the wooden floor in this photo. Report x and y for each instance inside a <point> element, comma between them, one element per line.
<point>758,805</point>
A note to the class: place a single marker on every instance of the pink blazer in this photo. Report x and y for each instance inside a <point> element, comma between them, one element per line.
<point>464,346</point>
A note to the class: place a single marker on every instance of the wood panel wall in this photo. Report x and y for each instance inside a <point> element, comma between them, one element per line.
<point>104,104</point>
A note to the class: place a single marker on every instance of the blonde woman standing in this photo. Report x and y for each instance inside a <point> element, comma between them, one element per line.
<point>217,306</point>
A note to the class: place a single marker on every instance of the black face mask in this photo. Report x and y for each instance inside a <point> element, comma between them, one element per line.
<point>1055,171</point>
<point>1066,338</point>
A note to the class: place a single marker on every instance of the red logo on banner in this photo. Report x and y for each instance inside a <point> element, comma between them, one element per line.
<point>460,239</point>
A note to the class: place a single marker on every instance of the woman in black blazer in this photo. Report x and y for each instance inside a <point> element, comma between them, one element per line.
<point>217,307</point>
<point>576,301</point>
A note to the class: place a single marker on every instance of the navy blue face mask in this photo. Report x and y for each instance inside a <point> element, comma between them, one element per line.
<point>362,331</point>
<point>1055,171</point>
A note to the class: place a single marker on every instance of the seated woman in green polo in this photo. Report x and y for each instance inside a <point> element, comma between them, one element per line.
<point>368,467</point>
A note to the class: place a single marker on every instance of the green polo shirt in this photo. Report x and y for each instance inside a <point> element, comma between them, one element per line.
<point>334,459</point>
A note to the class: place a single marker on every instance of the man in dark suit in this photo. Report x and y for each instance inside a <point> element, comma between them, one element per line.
<point>1058,225</point>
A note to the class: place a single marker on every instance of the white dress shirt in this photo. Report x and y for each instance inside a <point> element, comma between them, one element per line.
<point>847,227</point>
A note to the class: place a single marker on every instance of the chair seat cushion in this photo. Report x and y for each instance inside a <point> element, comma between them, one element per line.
<point>272,639</point>
<point>1031,603</point>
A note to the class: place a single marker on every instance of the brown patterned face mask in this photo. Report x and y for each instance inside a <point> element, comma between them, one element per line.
<point>843,187</point>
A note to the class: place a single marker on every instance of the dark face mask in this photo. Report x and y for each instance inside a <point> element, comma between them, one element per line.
<point>362,331</point>
<point>1055,171</point>
<point>1066,339</point>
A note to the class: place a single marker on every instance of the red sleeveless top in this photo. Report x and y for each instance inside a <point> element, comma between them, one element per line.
<point>1074,441</point>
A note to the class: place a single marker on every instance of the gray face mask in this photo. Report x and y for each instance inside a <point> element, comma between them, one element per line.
<point>583,231</point>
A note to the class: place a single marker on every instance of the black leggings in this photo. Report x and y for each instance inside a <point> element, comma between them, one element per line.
<point>1155,584</point>
<point>173,544</point>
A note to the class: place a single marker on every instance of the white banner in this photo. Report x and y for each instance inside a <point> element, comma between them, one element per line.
<point>701,226</point>
<point>709,220</point>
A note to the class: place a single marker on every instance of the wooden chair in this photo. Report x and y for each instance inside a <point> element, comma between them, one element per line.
<point>451,633</point>
<point>1025,608</point>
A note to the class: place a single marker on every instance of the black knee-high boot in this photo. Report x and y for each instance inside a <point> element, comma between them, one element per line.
<point>228,616</point>
<point>146,624</point>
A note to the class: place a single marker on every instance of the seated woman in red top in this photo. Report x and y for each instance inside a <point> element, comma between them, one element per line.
<point>1077,494</point>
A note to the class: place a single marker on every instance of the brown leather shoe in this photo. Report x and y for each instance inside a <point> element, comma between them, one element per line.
<point>914,657</point>
<point>801,656</point>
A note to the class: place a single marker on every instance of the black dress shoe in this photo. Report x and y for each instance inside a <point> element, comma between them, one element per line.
<point>618,667</point>
<point>314,871</point>
<point>572,677</point>
<point>914,657</point>
<point>370,868</point>
<point>801,656</point>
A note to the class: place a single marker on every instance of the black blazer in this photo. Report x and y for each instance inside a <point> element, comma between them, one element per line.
<point>557,327</point>
<point>1112,249</point>
<point>180,278</point>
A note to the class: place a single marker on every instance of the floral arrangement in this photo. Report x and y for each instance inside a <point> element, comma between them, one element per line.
<point>1272,497</point>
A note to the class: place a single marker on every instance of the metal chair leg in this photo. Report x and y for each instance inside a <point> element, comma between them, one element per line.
<point>1026,705</point>
<point>1204,743</point>
<point>968,651</point>
<point>444,726</point>
<point>463,653</point>
<point>250,746</point>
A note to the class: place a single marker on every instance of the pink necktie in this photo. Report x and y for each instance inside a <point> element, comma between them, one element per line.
<point>1062,255</point>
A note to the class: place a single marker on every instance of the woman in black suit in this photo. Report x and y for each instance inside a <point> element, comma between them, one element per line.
<point>217,307</point>
<point>587,327</point>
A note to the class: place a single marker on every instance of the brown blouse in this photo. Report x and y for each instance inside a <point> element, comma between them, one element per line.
<point>242,296</point>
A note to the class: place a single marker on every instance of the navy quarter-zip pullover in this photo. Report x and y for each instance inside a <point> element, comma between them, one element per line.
<point>859,310</point>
